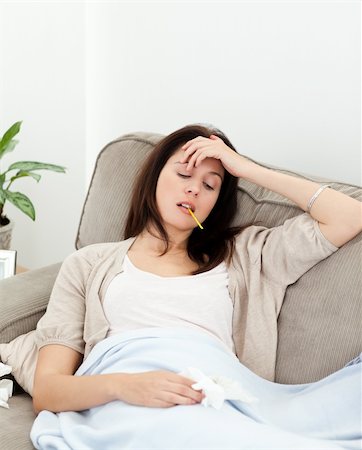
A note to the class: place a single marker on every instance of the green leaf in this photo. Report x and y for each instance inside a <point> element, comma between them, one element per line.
<point>9,147</point>
<point>22,202</point>
<point>22,174</point>
<point>27,166</point>
<point>10,133</point>
<point>2,179</point>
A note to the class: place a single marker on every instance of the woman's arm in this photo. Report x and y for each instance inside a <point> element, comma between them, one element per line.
<point>57,389</point>
<point>339,216</point>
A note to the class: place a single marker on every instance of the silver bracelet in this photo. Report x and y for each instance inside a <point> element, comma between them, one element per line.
<point>314,197</point>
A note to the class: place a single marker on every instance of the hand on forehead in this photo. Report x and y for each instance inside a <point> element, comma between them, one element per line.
<point>209,163</point>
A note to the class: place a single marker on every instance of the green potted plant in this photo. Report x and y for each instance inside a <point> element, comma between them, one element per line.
<point>15,171</point>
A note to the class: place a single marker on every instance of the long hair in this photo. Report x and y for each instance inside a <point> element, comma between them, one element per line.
<point>208,247</point>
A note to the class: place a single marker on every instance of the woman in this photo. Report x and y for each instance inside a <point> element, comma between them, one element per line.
<point>196,284</point>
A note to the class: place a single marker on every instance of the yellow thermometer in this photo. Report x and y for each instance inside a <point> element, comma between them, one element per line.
<point>195,218</point>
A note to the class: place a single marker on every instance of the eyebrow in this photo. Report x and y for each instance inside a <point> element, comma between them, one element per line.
<point>211,172</point>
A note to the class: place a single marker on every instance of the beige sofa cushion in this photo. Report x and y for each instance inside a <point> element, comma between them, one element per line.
<point>16,423</point>
<point>319,327</point>
<point>24,299</point>
<point>104,212</point>
<point>21,354</point>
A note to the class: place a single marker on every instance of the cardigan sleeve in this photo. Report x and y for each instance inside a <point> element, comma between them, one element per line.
<point>284,253</point>
<point>63,321</point>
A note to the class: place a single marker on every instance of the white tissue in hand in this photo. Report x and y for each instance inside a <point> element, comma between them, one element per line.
<point>6,386</point>
<point>4,369</point>
<point>214,394</point>
<point>233,390</point>
<point>217,389</point>
<point>6,391</point>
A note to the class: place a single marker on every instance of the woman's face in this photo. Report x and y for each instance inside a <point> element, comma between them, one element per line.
<point>199,188</point>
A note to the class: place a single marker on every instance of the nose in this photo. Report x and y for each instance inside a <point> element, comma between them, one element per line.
<point>193,189</point>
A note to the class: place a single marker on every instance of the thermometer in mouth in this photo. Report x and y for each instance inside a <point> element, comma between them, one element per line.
<point>194,217</point>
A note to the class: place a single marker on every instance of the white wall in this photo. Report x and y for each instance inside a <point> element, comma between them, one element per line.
<point>42,83</point>
<point>280,78</point>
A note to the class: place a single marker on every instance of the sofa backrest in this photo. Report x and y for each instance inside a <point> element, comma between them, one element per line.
<point>319,324</point>
<point>105,208</point>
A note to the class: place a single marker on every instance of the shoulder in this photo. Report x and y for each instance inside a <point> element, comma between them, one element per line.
<point>285,252</point>
<point>300,233</point>
<point>91,255</point>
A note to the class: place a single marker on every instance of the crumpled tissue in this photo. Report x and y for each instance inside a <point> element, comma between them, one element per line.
<point>6,386</point>
<point>217,389</point>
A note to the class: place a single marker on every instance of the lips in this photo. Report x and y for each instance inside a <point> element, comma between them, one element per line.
<point>187,205</point>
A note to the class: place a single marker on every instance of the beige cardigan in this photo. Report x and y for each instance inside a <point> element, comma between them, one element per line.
<point>264,263</point>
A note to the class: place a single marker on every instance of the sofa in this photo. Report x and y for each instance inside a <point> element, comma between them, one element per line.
<point>319,328</point>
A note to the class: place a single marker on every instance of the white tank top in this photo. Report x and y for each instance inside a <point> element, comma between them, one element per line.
<point>137,299</point>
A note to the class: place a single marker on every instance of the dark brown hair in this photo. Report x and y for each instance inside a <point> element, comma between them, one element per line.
<point>208,247</point>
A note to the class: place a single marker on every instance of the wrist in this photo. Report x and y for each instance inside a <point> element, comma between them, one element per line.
<point>115,385</point>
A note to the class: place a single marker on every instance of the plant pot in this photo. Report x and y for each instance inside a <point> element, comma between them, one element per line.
<point>5,236</point>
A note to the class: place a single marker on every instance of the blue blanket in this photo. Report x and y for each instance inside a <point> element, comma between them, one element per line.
<point>321,415</point>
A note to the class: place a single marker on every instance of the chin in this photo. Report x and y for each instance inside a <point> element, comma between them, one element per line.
<point>177,227</point>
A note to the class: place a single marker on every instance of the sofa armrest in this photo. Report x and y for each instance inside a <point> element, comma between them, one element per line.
<point>23,300</point>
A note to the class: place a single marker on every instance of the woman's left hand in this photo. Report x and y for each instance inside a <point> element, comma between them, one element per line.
<point>196,150</point>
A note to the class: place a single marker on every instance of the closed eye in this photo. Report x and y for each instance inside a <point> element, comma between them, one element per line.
<point>207,186</point>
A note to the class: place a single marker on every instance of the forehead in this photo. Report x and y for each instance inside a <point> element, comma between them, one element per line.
<point>208,164</point>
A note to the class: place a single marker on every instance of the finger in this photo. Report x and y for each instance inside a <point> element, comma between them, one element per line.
<point>193,159</point>
<point>197,147</point>
<point>187,391</point>
<point>191,141</point>
<point>180,379</point>
<point>188,153</point>
<point>200,155</point>
<point>200,159</point>
<point>194,145</point>
<point>176,399</point>
<point>184,159</point>
<point>192,148</point>
<point>158,403</point>
<point>188,144</point>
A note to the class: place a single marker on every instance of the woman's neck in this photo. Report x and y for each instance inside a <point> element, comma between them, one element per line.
<point>153,244</point>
